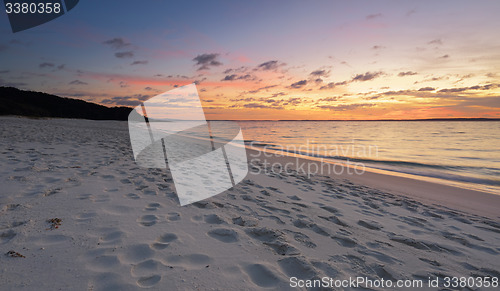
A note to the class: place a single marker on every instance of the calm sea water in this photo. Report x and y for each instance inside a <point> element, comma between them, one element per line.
<point>459,151</point>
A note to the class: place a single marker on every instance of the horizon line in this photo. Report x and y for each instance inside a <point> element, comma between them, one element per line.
<point>420,119</point>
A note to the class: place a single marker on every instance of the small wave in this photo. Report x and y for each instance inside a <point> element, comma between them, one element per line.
<point>445,172</point>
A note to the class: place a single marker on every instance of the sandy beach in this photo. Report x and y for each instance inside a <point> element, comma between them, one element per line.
<point>77,213</point>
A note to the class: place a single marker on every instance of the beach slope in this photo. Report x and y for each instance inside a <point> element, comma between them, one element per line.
<point>77,213</point>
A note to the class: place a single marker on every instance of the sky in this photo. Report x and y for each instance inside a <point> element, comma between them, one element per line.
<point>269,60</point>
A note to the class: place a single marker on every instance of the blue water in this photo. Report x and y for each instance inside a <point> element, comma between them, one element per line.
<point>458,151</point>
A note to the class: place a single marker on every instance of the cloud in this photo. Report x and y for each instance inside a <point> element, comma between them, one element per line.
<point>413,11</point>
<point>133,100</point>
<point>400,92</point>
<point>78,82</point>
<point>436,41</point>
<point>123,55</point>
<point>116,43</point>
<point>408,73</point>
<point>452,90</point>
<point>292,101</point>
<point>299,84</point>
<point>373,16</point>
<point>205,61</point>
<point>345,107</point>
<point>4,71</point>
<point>46,65</point>
<point>3,47</point>
<point>476,87</point>
<point>493,102</point>
<point>71,94</point>
<point>330,99</point>
<point>270,65</point>
<point>139,63</point>
<point>366,76</point>
<point>248,99</point>
<point>12,84</point>
<point>447,93</point>
<point>238,77</point>
<point>261,106</point>
<point>241,69</point>
<point>330,85</point>
<point>433,79</point>
<point>320,73</point>
<point>262,88</point>
<point>278,94</point>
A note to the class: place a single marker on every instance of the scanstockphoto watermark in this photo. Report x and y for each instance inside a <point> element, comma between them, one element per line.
<point>328,159</point>
<point>468,282</point>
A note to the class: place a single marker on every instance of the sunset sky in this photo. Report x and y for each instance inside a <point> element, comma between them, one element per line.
<point>270,59</point>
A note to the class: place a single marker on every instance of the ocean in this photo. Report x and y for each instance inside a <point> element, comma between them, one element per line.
<point>463,153</point>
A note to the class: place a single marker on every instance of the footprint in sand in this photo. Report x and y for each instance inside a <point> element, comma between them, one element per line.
<point>146,268</point>
<point>112,237</point>
<point>7,236</point>
<point>148,220</point>
<point>132,196</point>
<point>302,239</point>
<point>152,206</point>
<point>100,198</point>
<point>163,241</point>
<point>105,262</point>
<point>125,181</point>
<point>136,253</point>
<point>111,189</point>
<point>261,275</point>
<point>214,219</point>
<point>373,225</point>
<point>173,216</point>
<point>117,209</point>
<point>189,262</point>
<point>344,241</point>
<point>149,192</point>
<point>149,281</point>
<point>84,216</point>
<point>6,225</point>
<point>85,197</point>
<point>275,239</point>
<point>301,223</point>
<point>224,235</point>
<point>298,267</point>
<point>11,207</point>
<point>245,221</point>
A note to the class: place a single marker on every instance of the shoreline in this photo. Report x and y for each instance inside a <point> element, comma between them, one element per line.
<point>355,164</point>
<point>468,200</point>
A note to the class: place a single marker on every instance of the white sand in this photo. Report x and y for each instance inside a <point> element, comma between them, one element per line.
<point>123,229</point>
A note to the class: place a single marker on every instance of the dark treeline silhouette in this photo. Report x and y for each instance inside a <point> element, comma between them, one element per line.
<point>36,104</point>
